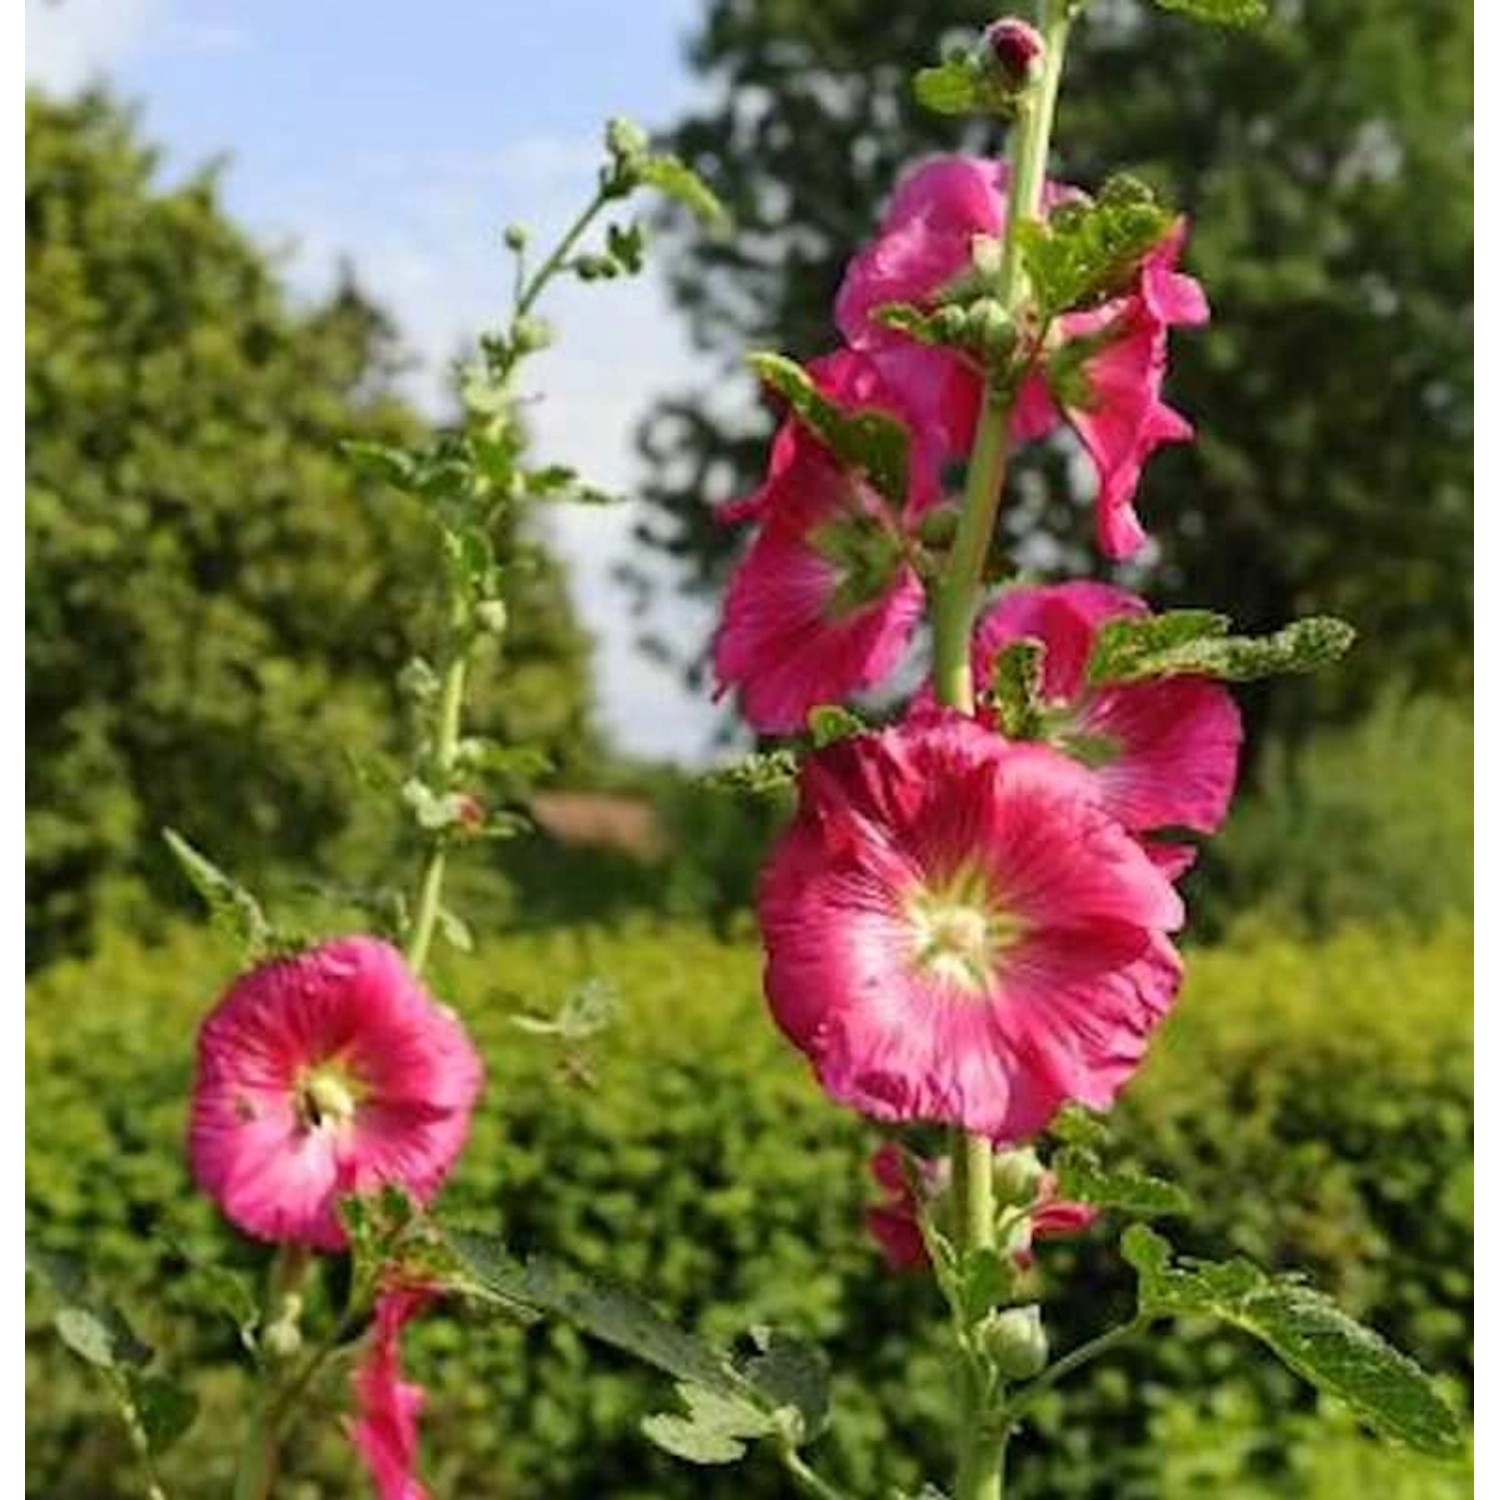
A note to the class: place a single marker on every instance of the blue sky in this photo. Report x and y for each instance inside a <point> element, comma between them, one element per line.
<point>405,137</point>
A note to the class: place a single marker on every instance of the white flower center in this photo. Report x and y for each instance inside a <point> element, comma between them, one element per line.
<point>958,936</point>
<point>326,1095</point>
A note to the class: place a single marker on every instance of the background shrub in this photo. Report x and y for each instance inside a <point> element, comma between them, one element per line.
<point>1317,1100</point>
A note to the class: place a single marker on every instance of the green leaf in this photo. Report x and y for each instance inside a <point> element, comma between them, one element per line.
<point>1076,1126</point>
<point>791,1376</point>
<point>964,85</point>
<point>100,1336</point>
<point>1082,1178</point>
<point>676,180</point>
<point>1138,650</point>
<point>1088,251</point>
<point>456,932</point>
<point>984,1277</point>
<point>220,1290</point>
<point>714,1429</point>
<point>829,723</point>
<point>1220,12</point>
<point>1016,688</point>
<point>559,482</point>
<point>870,440</point>
<point>230,906</point>
<point>765,774</point>
<point>164,1409</point>
<point>614,1315</point>
<point>1308,1331</point>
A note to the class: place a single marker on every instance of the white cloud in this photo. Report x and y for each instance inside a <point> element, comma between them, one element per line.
<point>69,44</point>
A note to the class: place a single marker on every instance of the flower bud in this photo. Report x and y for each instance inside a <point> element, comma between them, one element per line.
<point>515,237</point>
<point>939,526</point>
<point>1018,1176</point>
<point>1016,1341</point>
<point>532,334</point>
<point>492,615</point>
<point>1015,49</point>
<point>469,811</point>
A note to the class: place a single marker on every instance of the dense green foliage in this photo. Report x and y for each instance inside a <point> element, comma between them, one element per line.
<point>1316,1100</point>
<point>216,607</point>
<point>1370,823</point>
<point>1326,161</point>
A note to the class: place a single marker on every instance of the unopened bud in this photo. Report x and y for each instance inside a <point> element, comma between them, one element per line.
<point>532,334</point>
<point>990,329</point>
<point>1015,49</point>
<point>515,237</point>
<point>469,810</point>
<point>938,527</point>
<point>1018,1176</point>
<point>1016,1341</point>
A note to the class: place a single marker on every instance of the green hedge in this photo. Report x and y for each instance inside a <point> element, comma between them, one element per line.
<point>1316,1099</point>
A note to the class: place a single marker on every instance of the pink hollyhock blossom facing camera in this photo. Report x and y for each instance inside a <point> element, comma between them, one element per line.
<point>324,1074</point>
<point>385,1429</point>
<point>825,602</point>
<point>1165,753</point>
<point>957,931</point>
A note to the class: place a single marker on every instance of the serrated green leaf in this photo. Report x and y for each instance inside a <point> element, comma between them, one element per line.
<point>870,440</point>
<point>683,1439</point>
<point>1303,646</point>
<point>1016,688</point>
<point>1075,1126</point>
<point>1310,1334</point>
<point>767,773</point>
<point>1086,252</point>
<point>676,180</point>
<point>1082,1178</point>
<point>1220,12</point>
<point>230,906</point>
<point>950,88</point>
<point>614,1315</point>
<point>164,1409</point>
<point>791,1374</point>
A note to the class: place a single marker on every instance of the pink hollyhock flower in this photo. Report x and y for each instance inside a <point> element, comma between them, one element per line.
<point>1165,753</point>
<point>1110,361</point>
<point>324,1074</point>
<point>1112,395</point>
<point>897,1229</point>
<point>385,1429</point>
<point>924,242</point>
<point>826,599</point>
<point>957,931</point>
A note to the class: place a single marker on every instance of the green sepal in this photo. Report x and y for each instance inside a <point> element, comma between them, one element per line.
<point>1083,1178</point>
<point>869,440</point>
<point>828,723</point>
<point>1086,252</point>
<point>1310,1334</point>
<point>1196,643</point>
<point>767,773</point>
<point>1220,12</point>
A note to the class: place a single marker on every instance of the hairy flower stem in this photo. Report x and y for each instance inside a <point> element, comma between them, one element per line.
<point>261,1455</point>
<point>981,1438</point>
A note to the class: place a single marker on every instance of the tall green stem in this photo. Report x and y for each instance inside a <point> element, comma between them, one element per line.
<point>981,1437</point>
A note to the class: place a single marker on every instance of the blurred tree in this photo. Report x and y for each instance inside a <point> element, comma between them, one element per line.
<point>216,608</point>
<point>1326,160</point>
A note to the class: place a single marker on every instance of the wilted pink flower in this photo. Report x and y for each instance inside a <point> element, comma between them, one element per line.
<point>826,599</point>
<point>1165,752</point>
<point>385,1429</point>
<point>324,1074</point>
<point>925,241</point>
<point>1107,362</point>
<point>957,931</point>
<point>1112,397</point>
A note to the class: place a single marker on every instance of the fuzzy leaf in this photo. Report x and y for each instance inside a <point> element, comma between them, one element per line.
<point>676,180</point>
<point>714,1429</point>
<point>767,773</point>
<point>1123,653</point>
<point>164,1409</point>
<point>869,440</point>
<point>963,85</point>
<point>1016,688</point>
<point>1082,1178</point>
<point>1076,1126</point>
<point>230,906</point>
<point>613,1315</point>
<point>1308,1331</point>
<point>1220,12</point>
<point>1088,251</point>
<point>792,1376</point>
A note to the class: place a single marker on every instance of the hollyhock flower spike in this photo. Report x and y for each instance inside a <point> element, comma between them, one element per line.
<point>956,931</point>
<point>1165,753</point>
<point>327,1073</point>
<point>384,1431</point>
<point>824,603</point>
